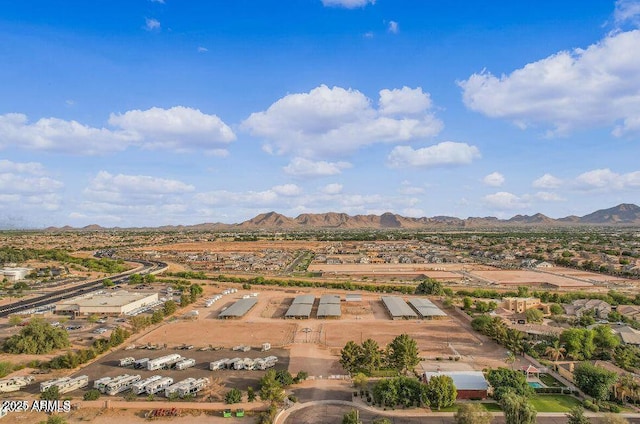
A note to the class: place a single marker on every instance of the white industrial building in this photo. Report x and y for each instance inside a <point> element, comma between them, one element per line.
<point>14,274</point>
<point>116,303</point>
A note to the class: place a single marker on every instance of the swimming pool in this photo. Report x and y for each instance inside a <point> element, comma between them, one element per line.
<point>535,385</point>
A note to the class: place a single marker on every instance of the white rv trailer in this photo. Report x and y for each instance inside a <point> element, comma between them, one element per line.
<point>101,382</point>
<point>185,363</point>
<point>247,363</point>
<point>121,385</point>
<point>46,384</point>
<point>125,362</point>
<point>230,363</point>
<point>266,346</point>
<point>140,386</point>
<point>15,383</point>
<point>163,362</point>
<point>239,364</point>
<point>174,387</point>
<point>192,387</point>
<point>158,386</point>
<point>73,384</point>
<point>218,365</point>
<point>141,363</point>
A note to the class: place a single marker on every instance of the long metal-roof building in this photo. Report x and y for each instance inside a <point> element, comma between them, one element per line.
<point>426,309</point>
<point>239,309</point>
<point>398,308</point>
<point>329,306</point>
<point>301,306</point>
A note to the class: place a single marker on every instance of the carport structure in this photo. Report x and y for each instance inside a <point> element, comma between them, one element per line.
<point>426,309</point>
<point>238,309</point>
<point>329,306</point>
<point>398,308</point>
<point>301,307</point>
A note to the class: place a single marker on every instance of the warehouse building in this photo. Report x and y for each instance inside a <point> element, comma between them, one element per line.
<point>301,307</point>
<point>329,306</point>
<point>469,384</point>
<point>426,309</point>
<point>239,309</point>
<point>117,303</point>
<point>398,308</point>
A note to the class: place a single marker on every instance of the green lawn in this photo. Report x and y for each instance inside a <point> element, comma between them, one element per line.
<point>553,403</point>
<point>549,381</point>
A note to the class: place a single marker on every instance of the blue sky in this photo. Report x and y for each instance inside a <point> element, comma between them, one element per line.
<point>147,113</point>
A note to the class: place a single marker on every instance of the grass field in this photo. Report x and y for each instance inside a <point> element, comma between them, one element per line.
<point>553,403</point>
<point>491,407</point>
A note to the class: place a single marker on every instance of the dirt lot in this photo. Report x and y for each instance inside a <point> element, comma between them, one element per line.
<point>522,277</point>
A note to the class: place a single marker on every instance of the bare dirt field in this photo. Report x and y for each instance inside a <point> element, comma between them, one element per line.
<point>385,270</point>
<point>585,275</point>
<point>523,277</point>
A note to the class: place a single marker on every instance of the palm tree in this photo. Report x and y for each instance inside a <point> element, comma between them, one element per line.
<point>555,352</point>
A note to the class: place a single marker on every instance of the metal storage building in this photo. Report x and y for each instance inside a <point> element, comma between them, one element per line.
<point>426,309</point>
<point>398,308</point>
<point>239,309</point>
<point>329,306</point>
<point>469,384</point>
<point>301,306</point>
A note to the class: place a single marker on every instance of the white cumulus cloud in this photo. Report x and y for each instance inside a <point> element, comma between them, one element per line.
<point>495,179</point>
<point>347,4</point>
<point>442,154</point>
<point>24,186</point>
<point>627,11</point>
<point>334,121</point>
<point>505,201</point>
<point>287,190</point>
<point>393,27</point>
<point>177,128</point>
<point>547,181</point>
<point>404,100</point>
<point>151,24</point>
<point>307,168</point>
<point>606,179</point>
<point>333,188</point>
<point>596,86</point>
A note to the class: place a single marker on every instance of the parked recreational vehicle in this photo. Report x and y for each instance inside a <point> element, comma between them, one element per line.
<point>74,384</point>
<point>141,363</point>
<point>46,384</point>
<point>66,384</point>
<point>158,386</point>
<point>193,387</point>
<point>140,386</point>
<point>101,383</point>
<point>15,383</point>
<point>115,387</point>
<point>163,362</point>
<point>218,365</point>
<point>185,363</point>
<point>231,362</point>
<point>266,346</point>
<point>173,389</point>
<point>125,362</point>
<point>247,363</point>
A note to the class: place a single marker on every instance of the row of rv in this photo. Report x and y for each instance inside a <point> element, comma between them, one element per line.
<point>152,385</point>
<point>217,297</point>
<point>15,383</point>
<point>164,362</point>
<point>244,363</point>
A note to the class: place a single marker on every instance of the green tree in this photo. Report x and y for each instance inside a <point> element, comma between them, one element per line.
<point>440,392</point>
<point>233,396</point>
<point>107,283</point>
<point>593,380</point>
<point>350,357</point>
<point>93,394</point>
<point>472,413</point>
<point>351,417</point>
<point>135,279</point>
<point>270,389</point>
<point>360,381</point>
<point>505,380</point>
<point>534,315</point>
<point>430,287</point>
<point>604,338</point>
<point>284,377</point>
<point>402,354</point>
<point>467,303</point>
<point>251,394</point>
<point>157,316</point>
<point>556,309</point>
<point>371,358</point>
<point>149,278</point>
<point>169,308</point>
<point>37,337</point>
<point>14,320</point>
<point>576,416</point>
<point>579,343</point>
<point>517,409</point>
<point>52,393</point>
<point>381,420</point>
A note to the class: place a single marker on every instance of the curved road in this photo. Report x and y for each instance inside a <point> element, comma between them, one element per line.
<point>147,267</point>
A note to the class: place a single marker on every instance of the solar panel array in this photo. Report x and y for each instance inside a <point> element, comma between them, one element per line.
<point>329,306</point>
<point>426,308</point>
<point>398,308</point>
<point>239,309</point>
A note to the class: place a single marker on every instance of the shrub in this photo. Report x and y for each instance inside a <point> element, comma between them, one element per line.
<point>92,394</point>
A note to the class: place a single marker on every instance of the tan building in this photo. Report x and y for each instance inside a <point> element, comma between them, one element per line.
<point>116,303</point>
<point>520,304</point>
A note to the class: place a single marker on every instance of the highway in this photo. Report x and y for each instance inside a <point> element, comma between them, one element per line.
<point>80,289</point>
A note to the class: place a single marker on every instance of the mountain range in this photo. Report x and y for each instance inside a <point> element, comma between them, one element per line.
<point>622,215</point>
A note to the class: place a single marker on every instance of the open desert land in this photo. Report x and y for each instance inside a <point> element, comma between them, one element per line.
<point>528,278</point>
<point>585,275</point>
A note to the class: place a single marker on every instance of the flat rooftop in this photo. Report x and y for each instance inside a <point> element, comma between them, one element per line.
<point>239,308</point>
<point>118,298</point>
